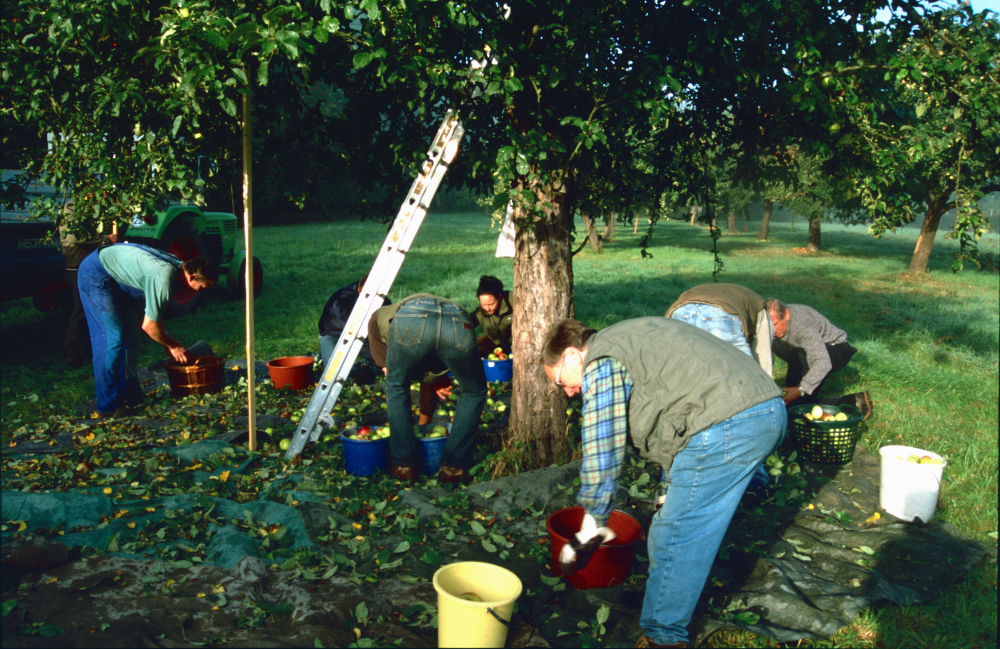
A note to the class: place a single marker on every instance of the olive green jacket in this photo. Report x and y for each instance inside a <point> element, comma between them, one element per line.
<point>496,326</point>
<point>684,381</point>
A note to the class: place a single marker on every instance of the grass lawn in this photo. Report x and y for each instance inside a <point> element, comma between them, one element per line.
<point>928,348</point>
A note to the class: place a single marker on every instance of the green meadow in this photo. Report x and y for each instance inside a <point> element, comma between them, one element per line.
<point>928,348</point>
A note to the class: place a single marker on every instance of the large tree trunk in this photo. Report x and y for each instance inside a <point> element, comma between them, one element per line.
<point>543,295</point>
<point>814,234</point>
<point>595,240</point>
<point>731,218</point>
<point>925,242</point>
<point>609,228</point>
<point>765,220</point>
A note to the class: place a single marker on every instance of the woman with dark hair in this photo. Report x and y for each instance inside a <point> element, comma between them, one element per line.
<point>124,289</point>
<point>700,408</point>
<point>494,314</point>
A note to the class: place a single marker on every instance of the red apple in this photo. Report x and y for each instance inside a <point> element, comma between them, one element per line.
<point>365,431</point>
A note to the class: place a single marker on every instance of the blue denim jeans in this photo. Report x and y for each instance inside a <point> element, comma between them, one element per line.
<point>707,480</point>
<point>425,331</point>
<point>715,321</point>
<point>114,317</point>
<point>726,327</point>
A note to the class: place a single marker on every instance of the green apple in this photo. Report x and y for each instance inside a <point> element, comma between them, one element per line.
<point>441,412</point>
<point>439,431</point>
<point>841,416</point>
<point>816,412</point>
<point>284,444</point>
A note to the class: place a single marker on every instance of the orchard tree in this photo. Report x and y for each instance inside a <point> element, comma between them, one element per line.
<point>921,132</point>
<point>134,93</point>
<point>569,87</point>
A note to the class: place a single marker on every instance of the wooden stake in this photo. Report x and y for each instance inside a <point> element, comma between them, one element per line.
<point>248,242</point>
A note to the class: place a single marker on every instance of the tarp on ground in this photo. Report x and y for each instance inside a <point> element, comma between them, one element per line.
<point>804,568</point>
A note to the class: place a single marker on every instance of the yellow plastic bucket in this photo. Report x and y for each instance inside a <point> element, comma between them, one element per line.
<point>463,622</point>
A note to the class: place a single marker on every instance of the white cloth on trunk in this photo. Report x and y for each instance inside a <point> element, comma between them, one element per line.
<point>505,243</point>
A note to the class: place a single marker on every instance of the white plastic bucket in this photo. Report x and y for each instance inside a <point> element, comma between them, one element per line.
<point>909,490</point>
<point>483,623</point>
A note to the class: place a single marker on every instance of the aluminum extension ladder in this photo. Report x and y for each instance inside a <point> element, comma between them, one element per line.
<point>383,273</point>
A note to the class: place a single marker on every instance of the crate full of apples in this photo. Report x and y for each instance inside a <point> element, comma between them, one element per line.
<point>825,434</point>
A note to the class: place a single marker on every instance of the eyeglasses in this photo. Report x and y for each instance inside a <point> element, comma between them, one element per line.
<point>559,383</point>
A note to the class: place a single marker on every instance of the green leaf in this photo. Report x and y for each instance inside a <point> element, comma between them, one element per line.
<point>361,612</point>
<point>402,546</point>
<point>409,579</point>
<point>240,74</point>
<point>550,581</point>
<point>177,124</point>
<point>361,59</point>
<point>262,73</point>
<point>513,85</point>
<point>238,33</point>
<point>370,7</point>
<point>316,643</point>
<point>432,556</point>
<point>7,607</point>
<point>748,617</point>
<point>477,528</point>
<point>602,613</point>
<point>489,547</point>
<point>50,631</point>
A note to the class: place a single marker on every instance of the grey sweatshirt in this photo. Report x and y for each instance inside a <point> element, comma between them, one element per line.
<point>811,332</point>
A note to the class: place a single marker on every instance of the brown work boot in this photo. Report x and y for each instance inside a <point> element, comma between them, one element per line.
<point>403,473</point>
<point>645,641</point>
<point>452,475</point>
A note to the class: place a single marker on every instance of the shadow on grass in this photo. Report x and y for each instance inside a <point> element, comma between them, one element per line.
<point>864,314</point>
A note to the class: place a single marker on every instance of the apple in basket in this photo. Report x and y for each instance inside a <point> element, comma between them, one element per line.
<point>365,432</point>
<point>439,431</point>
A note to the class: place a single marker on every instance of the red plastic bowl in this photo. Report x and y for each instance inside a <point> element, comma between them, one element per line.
<point>612,562</point>
<point>293,372</point>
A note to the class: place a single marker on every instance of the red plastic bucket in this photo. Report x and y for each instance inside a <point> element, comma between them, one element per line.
<point>612,562</point>
<point>295,372</point>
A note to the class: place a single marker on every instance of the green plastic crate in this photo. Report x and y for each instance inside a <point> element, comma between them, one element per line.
<point>825,442</point>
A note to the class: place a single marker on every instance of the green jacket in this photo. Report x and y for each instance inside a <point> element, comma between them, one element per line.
<point>496,326</point>
<point>684,381</point>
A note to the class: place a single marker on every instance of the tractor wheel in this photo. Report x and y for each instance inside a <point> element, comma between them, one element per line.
<point>181,241</point>
<point>258,278</point>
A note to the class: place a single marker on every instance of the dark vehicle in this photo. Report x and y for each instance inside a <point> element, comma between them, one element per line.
<point>32,265</point>
<point>30,262</point>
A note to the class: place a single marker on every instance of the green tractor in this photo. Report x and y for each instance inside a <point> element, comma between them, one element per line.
<point>186,232</point>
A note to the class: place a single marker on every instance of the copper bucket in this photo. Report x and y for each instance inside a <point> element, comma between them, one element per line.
<point>206,375</point>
